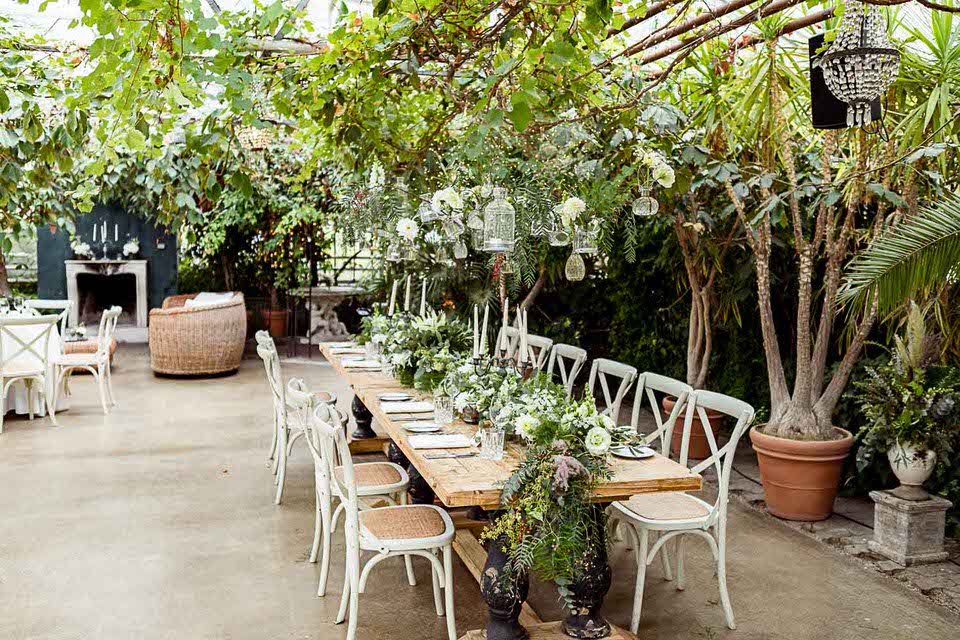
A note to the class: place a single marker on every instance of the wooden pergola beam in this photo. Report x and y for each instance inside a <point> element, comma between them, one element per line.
<point>654,9</point>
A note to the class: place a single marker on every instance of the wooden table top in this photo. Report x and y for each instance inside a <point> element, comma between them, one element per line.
<point>476,481</point>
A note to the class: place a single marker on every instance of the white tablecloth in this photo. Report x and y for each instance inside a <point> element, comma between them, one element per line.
<point>16,399</point>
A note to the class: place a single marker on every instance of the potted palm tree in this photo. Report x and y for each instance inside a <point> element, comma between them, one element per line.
<point>911,405</point>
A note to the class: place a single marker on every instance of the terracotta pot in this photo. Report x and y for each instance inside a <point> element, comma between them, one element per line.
<point>276,321</point>
<point>800,477</point>
<point>699,447</point>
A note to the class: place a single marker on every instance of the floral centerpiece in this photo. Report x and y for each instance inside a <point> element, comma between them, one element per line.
<point>131,247</point>
<point>549,524</point>
<point>81,249</point>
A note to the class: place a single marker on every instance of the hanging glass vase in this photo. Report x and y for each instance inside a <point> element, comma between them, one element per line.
<point>499,222</point>
<point>507,267</point>
<point>475,220</point>
<point>460,250</point>
<point>453,227</point>
<point>427,214</point>
<point>645,205</point>
<point>476,239</point>
<point>557,236</point>
<point>575,269</point>
<point>585,241</point>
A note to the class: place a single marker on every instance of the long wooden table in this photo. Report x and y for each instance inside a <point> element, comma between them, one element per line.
<point>476,481</point>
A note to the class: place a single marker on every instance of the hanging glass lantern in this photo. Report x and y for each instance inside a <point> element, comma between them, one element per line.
<point>393,252</point>
<point>557,236</point>
<point>575,269</point>
<point>499,221</point>
<point>474,220</point>
<point>460,250</point>
<point>645,205</point>
<point>861,63</point>
<point>585,241</point>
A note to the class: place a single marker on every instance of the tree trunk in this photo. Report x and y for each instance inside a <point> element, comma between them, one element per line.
<point>4,281</point>
<point>535,289</point>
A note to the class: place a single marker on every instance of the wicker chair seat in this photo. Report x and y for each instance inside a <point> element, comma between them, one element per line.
<point>86,346</point>
<point>670,505</point>
<point>403,523</point>
<point>372,474</point>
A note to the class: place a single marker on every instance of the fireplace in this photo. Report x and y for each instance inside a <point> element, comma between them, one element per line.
<point>96,285</point>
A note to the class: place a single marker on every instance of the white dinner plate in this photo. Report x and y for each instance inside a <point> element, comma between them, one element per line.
<point>633,453</point>
<point>394,396</point>
<point>422,427</point>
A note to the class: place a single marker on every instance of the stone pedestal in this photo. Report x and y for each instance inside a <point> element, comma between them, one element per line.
<point>909,532</point>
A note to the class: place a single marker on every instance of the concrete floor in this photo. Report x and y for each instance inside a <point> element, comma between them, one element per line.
<point>157,522</point>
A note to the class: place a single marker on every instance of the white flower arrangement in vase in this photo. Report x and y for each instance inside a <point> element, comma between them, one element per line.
<point>81,249</point>
<point>131,247</point>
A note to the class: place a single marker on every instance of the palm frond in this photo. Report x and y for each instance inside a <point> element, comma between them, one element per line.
<point>920,253</point>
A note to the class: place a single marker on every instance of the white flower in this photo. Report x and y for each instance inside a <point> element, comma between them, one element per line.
<point>573,207</point>
<point>664,175</point>
<point>607,422</point>
<point>407,228</point>
<point>131,248</point>
<point>525,425</point>
<point>449,198</point>
<point>597,441</point>
<point>377,176</point>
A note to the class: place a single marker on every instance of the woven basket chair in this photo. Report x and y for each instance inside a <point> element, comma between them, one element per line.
<point>190,341</point>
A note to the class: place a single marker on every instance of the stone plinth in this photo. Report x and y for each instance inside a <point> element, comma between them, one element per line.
<point>909,532</point>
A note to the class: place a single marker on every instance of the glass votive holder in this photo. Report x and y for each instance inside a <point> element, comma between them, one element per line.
<point>491,441</point>
<point>442,407</point>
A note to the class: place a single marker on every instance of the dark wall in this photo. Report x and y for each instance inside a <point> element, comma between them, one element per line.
<point>54,248</point>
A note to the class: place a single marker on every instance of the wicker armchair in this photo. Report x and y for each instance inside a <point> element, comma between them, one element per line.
<point>189,341</point>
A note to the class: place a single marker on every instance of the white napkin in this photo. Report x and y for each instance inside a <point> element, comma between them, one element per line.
<point>361,364</point>
<point>453,441</point>
<point>410,406</point>
<point>334,345</point>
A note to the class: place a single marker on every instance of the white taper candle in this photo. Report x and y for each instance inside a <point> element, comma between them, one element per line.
<point>476,328</point>
<point>483,334</point>
<point>423,298</point>
<point>393,298</point>
<point>406,296</point>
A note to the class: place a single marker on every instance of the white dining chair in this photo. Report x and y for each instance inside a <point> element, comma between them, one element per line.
<point>422,530</point>
<point>278,448</point>
<point>97,362</point>
<point>676,514</point>
<point>568,360</point>
<point>539,349</point>
<point>376,481</point>
<point>62,309</point>
<point>623,374</point>
<point>24,357</point>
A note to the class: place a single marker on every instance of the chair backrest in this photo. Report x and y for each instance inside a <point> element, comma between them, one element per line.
<point>108,325</point>
<point>539,350</point>
<point>601,370</point>
<point>336,451</point>
<point>24,341</point>
<point>62,307</point>
<point>271,365</point>
<point>721,458</point>
<point>568,360</point>
<point>648,385</point>
<point>513,341</point>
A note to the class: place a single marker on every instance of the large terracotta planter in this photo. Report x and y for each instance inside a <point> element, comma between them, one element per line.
<point>699,447</point>
<point>276,321</point>
<point>800,477</point>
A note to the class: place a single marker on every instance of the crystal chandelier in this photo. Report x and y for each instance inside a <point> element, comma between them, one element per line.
<point>499,222</point>
<point>861,63</point>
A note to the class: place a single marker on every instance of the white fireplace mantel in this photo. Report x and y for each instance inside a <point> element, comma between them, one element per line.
<point>107,267</point>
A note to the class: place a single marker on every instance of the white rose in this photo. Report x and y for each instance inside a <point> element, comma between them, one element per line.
<point>597,441</point>
<point>607,422</point>
<point>525,425</point>
<point>574,206</point>
<point>664,175</point>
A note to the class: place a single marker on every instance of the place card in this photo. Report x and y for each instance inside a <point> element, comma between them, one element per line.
<point>412,406</point>
<point>451,441</point>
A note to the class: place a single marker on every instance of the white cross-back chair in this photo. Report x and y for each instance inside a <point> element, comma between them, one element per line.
<point>61,307</point>
<point>603,369</point>
<point>24,357</point>
<point>568,360</point>
<point>539,351</point>
<point>404,530</point>
<point>267,351</point>
<point>382,481</point>
<point>677,514</point>
<point>97,363</point>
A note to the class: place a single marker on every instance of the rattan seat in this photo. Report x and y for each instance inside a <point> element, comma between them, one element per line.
<point>373,474</point>
<point>403,523</point>
<point>673,505</point>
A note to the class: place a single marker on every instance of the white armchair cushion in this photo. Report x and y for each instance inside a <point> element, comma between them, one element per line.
<point>208,299</point>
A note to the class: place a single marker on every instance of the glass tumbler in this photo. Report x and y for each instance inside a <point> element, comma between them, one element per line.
<point>442,407</point>
<point>491,441</point>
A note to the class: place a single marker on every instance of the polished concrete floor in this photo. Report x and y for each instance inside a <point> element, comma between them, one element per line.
<point>157,522</point>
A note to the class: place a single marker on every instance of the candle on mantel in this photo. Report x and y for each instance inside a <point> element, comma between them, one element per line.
<point>406,296</point>
<point>103,231</point>
<point>393,298</point>
<point>483,334</point>
<point>423,298</point>
<point>476,328</point>
<point>116,232</point>
<point>94,233</point>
